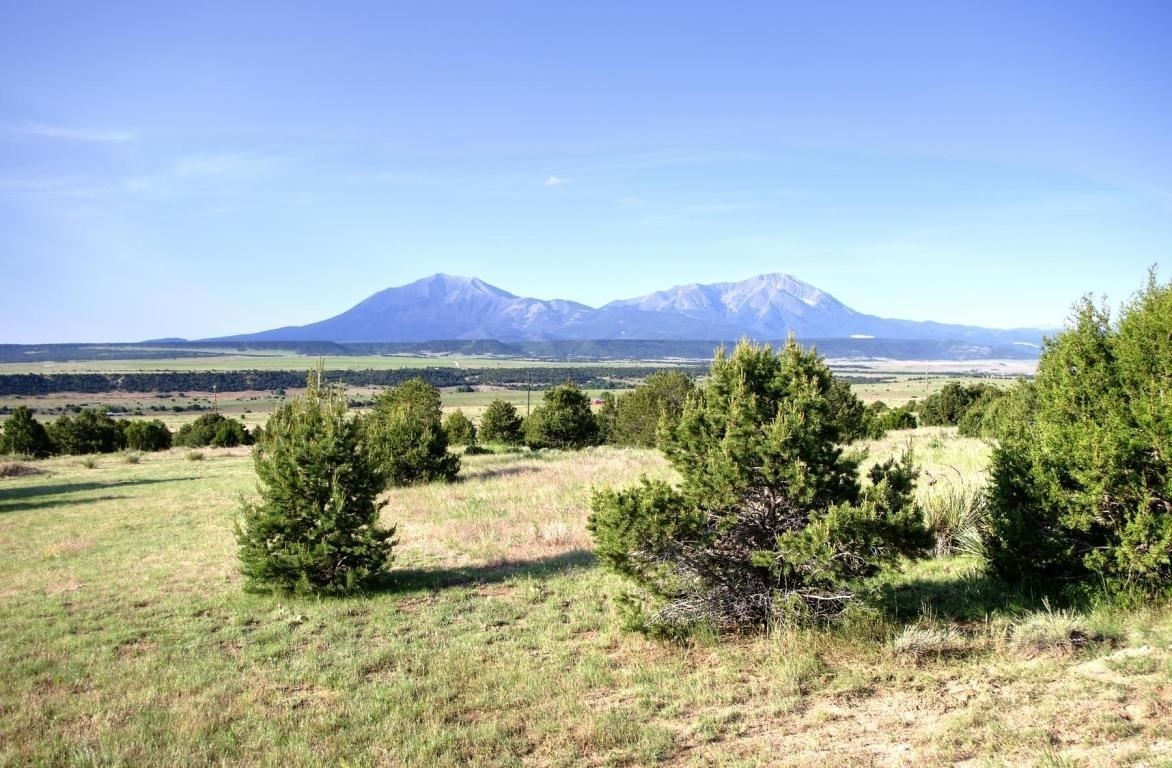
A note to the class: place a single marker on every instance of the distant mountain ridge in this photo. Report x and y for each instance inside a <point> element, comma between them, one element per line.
<point>766,307</point>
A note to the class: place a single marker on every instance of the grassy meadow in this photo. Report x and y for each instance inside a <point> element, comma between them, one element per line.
<point>127,640</point>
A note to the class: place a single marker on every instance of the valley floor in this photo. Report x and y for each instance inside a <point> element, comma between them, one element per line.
<point>127,640</point>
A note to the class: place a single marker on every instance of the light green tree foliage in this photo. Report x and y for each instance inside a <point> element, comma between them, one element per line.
<point>563,420</point>
<point>500,423</point>
<point>407,435</point>
<point>315,527</point>
<point>1083,490</point>
<point>770,518</point>
<point>460,429</point>
<point>659,398</point>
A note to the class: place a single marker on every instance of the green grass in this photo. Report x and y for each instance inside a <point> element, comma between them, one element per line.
<point>127,640</point>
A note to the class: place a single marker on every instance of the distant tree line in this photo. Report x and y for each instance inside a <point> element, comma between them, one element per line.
<point>92,430</point>
<point>590,377</point>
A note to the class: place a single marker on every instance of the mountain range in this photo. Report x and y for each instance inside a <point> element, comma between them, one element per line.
<point>766,307</point>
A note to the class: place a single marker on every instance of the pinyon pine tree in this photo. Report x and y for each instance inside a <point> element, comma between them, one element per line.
<point>25,435</point>
<point>500,423</point>
<point>460,429</point>
<point>563,420</point>
<point>770,520</point>
<point>315,527</point>
<point>407,436</point>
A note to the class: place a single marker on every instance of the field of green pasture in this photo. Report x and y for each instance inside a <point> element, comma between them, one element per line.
<point>127,640</point>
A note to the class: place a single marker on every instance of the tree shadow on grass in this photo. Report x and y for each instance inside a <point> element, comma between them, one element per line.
<point>493,473</point>
<point>25,506</point>
<point>12,499</point>
<point>969,595</point>
<point>415,579</point>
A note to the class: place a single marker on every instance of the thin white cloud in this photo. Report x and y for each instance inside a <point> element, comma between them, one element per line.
<point>197,168</point>
<point>555,181</point>
<point>62,133</point>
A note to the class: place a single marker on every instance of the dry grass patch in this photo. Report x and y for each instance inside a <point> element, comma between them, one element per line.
<point>19,469</point>
<point>511,508</point>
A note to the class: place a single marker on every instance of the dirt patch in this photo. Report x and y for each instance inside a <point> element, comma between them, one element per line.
<point>136,648</point>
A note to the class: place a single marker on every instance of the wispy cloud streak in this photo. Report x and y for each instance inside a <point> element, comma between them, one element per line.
<point>62,133</point>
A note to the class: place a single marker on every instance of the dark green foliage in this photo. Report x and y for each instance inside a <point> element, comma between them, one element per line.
<point>846,410</point>
<point>563,420</point>
<point>770,519</point>
<point>148,435</point>
<point>460,429</point>
<point>407,435</point>
<point>315,527</point>
<point>25,435</point>
<point>972,422</point>
<point>947,407</point>
<point>638,414</point>
<point>1083,491</point>
<point>1008,416</point>
<point>878,419</point>
<point>91,431</point>
<point>606,417</point>
<point>212,429</point>
<point>594,376</point>
<point>500,423</point>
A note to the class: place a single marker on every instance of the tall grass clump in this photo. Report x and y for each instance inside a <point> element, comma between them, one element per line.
<point>957,516</point>
<point>1050,630</point>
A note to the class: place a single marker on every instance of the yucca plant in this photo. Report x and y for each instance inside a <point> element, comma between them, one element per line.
<point>957,517</point>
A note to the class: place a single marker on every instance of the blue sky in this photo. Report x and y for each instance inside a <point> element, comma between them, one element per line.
<point>197,169</point>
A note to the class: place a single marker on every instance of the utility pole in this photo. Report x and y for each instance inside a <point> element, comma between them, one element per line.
<point>215,399</point>
<point>528,387</point>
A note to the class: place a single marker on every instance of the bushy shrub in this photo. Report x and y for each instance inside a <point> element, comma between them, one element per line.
<point>638,414</point>
<point>606,417</point>
<point>406,433</point>
<point>770,520</point>
<point>500,423</point>
<point>148,435</point>
<point>972,422</point>
<point>563,420</point>
<point>1083,491</point>
<point>212,429</point>
<point>90,431</point>
<point>947,407</point>
<point>24,435</point>
<point>1008,416</point>
<point>879,419</point>
<point>460,429</point>
<point>315,527</point>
